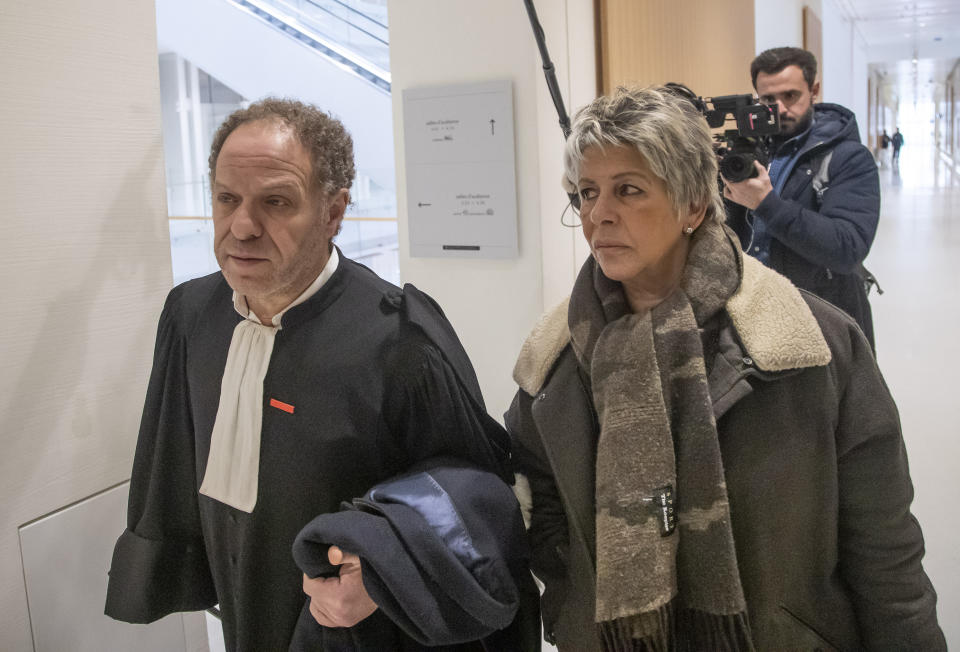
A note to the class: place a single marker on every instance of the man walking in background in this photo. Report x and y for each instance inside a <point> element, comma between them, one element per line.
<point>897,141</point>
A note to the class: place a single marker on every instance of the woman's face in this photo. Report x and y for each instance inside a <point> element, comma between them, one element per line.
<point>630,222</point>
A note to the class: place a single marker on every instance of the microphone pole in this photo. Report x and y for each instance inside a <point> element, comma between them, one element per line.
<point>548,70</point>
<point>552,85</point>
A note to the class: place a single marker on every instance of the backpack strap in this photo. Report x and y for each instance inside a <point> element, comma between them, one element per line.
<point>821,181</point>
<point>821,184</point>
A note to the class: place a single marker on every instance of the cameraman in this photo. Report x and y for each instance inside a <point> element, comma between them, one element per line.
<point>816,238</point>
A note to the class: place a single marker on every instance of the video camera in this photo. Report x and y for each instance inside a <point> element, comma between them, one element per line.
<point>738,148</point>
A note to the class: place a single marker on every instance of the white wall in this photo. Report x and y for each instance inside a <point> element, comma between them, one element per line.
<point>86,260</point>
<point>494,303</point>
<point>845,70</point>
<point>779,23</point>
<point>568,25</point>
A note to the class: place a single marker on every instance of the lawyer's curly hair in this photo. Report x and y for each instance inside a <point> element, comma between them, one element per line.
<point>329,144</point>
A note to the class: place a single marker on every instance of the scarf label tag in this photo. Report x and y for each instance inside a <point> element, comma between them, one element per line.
<point>664,508</point>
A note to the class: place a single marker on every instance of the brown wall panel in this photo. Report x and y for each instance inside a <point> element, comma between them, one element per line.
<point>706,44</point>
<point>813,39</point>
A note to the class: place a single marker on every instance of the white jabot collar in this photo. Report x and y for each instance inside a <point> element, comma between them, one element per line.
<point>233,465</point>
<point>240,301</point>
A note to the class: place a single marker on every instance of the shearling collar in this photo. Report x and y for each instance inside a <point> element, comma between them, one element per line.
<point>770,316</point>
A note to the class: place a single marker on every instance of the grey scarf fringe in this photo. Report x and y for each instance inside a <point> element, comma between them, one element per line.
<point>679,630</point>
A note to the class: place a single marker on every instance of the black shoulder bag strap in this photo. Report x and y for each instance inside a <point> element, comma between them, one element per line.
<point>821,184</point>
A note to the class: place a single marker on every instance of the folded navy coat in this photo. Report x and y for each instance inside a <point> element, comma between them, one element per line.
<point>444,556</point>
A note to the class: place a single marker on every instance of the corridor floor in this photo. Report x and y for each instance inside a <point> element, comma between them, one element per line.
<point>915,257</point>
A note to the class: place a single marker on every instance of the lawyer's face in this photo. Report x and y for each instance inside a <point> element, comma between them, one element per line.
<point>272,228</point>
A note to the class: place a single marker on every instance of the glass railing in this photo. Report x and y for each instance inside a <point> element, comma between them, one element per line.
<point>348,23</point>
<point>356,29</point>
<point>352,32</point>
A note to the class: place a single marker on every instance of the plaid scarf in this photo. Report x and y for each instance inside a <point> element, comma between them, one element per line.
<point>667,576</point>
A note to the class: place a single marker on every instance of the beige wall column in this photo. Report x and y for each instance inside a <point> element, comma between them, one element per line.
<point>85,268</point>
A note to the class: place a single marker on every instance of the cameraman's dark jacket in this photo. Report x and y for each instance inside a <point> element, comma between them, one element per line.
<point>819,244</point>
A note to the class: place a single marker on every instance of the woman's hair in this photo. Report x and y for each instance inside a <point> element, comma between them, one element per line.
<point>666,130</point>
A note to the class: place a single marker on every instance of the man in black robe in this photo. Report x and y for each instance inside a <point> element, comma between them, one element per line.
<point>289,382</point>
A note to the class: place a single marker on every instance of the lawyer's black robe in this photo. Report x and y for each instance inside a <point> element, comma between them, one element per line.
<point>378,382</point>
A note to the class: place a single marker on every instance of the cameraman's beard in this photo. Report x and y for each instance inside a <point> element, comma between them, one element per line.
<point>790,128</point>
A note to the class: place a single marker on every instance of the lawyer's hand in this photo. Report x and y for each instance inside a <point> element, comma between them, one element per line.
<point>339,601</point>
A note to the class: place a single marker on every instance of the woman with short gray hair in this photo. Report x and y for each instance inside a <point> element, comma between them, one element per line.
<point>710,456</point>
<point>659,125</point>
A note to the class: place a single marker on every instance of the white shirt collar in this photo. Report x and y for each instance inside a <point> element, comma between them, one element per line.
<point>240,301</point>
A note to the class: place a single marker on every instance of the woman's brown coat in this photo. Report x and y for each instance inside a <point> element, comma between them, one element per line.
<point>828,551</point>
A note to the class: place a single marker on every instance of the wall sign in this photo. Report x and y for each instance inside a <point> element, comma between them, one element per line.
<point>461,180</point>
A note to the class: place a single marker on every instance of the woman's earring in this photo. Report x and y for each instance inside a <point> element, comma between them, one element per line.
<point>688,230</point>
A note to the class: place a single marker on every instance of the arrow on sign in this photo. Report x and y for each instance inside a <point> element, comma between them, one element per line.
<point>420,204</point>
<point>492,122</point>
